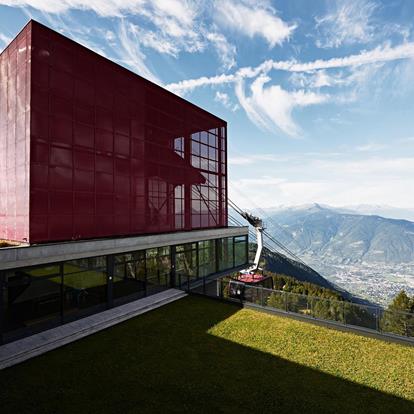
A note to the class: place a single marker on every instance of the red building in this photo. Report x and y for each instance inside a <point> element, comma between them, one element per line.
<point>90,149</point>
<point>112,187</point>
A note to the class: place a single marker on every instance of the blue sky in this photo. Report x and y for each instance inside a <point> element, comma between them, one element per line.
<point>318,95</point>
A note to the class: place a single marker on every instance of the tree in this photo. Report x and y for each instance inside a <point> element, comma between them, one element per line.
<point>398,318</point>
<point>277,300</point>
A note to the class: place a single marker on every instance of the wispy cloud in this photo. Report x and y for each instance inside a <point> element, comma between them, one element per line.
<point>272,106</point>
<point>316,79</point>
<point>174,20</point>
<point>153,40</point>
<point>225,100</point>
<point>168,27</point>
<point>349,22</point>
<point>347,85</point>
<point>254,19</point>
<point>110,8</point>
<point>226,52</point>
<point>130,53</point>
<point>176,23</point>
<point>384,53</point>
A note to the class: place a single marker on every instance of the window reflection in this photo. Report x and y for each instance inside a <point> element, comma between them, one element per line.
<point>84,286</point>
<point>240,250</point>
<point>129,276</point>
<point>158,266</point>
<point>226,253</point>
<point>207,257</point>
<point>31,298</point>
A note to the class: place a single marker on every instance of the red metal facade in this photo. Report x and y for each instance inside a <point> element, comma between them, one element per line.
<point>14,138</point>
<point>111,153</point>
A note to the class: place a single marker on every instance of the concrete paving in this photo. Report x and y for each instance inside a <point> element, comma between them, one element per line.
<point>26,348</point>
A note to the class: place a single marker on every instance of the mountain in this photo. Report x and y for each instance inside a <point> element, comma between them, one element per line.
<point>367,255</point>
<point>381,210</point>
<point>339,237</point>
<point>280,264</point>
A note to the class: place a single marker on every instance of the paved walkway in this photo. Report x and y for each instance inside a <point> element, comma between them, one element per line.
<point>26,348</point>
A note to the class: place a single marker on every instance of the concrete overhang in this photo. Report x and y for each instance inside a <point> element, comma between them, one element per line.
<point>29,255</point>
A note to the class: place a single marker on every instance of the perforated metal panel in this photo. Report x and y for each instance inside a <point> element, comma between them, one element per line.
<point>14,138</point>
<point>113,154</point>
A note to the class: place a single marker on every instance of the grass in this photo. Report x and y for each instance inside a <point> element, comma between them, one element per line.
<point>204,356</point>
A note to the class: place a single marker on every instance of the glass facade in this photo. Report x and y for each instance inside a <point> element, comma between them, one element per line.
<point>240,250</point>
<point>129,280</point>
<point>186,260</point>
<point>226,253</point>
<point>84,284</point>
<point>158,268</point>
<point>39,297</point>
<point>207,257</point>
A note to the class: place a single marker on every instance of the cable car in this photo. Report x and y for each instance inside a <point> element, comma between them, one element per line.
<point>251,275</point>
<point>239,287</point>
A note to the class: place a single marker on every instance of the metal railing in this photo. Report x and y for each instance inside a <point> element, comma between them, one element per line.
<point>344,313</point>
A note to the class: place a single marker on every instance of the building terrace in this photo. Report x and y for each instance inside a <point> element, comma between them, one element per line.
<point>201,355</point>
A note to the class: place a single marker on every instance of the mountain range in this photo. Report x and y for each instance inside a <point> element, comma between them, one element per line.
<point>382,210</point>
<point>367,255</point>
<point>341,236</point>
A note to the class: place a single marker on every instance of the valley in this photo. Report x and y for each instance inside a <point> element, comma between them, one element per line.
<point>368,255</point>
<point>377,282</point>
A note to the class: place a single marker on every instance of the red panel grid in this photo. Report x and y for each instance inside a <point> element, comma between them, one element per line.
<point>111,154</point>
<point>14,138</point>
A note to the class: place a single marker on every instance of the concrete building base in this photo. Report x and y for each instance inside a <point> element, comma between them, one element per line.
<point>30,255</point>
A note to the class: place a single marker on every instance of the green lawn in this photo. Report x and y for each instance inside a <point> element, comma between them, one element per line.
<point>202,356</point>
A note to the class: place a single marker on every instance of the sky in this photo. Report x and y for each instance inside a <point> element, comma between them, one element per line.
<point>318,95</point>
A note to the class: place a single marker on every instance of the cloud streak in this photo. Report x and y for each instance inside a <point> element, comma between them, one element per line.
<point>385,53</point>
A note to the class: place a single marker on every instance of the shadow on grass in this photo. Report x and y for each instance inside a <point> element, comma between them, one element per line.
<point>165,361</point>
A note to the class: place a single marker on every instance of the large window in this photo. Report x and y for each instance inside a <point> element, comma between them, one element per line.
<point>226,254</point>
<point>129,280</point>
<point>240,250</point>
<point>208,155</point>
<point>84,286</point>
<point>186,260</point>
<point>158,265</point>
<point>31,298</point>
<point>207,257</point>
